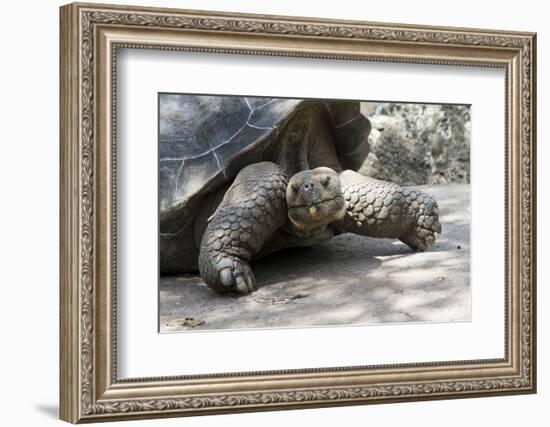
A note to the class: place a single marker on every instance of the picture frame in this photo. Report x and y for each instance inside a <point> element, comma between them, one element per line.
<point>91,35</point>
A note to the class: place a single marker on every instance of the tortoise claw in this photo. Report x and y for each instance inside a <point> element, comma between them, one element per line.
<point>422,234</point>
<point>232,274</point>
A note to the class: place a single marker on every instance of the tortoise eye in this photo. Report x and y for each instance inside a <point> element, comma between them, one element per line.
<point>325,181</point>
<point>295,189</point>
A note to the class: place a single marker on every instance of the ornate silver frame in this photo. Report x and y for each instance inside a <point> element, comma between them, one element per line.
<point>90,36</point>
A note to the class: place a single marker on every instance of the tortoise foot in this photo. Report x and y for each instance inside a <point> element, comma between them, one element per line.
<point>422,234</point>
<point>379,208</point>
<point>229,274</point>
<point>252,210</point>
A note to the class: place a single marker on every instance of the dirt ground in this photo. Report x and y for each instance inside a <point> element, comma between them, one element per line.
<point>348,280</point>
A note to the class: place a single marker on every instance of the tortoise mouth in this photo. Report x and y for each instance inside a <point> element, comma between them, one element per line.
<point>312,215</point>
<point>307,205</point>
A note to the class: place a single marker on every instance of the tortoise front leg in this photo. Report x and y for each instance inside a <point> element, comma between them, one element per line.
<point>252,209</point>
<point>383,209</point>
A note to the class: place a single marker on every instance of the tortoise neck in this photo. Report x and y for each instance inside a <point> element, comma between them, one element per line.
<point>307,141</point>
<point>295,143</point>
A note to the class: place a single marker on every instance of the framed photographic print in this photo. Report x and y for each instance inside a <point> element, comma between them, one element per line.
<point>265,212</point>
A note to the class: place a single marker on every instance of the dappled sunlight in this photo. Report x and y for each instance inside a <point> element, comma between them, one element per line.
<point>348,280</point>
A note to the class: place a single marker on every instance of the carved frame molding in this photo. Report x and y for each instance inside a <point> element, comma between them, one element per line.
<point>90,36</point>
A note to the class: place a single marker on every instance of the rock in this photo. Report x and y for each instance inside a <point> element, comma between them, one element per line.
<point>415,144</point>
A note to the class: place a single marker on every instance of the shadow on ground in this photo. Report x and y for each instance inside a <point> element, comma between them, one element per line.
<point>349,280</point>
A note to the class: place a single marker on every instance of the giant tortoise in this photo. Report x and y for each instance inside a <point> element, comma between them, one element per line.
<point>241,177</point>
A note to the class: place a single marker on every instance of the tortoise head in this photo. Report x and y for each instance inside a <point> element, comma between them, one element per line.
<point>314,198</point>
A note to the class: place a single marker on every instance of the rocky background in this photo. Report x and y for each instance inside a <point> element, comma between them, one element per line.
<point>414,144</point>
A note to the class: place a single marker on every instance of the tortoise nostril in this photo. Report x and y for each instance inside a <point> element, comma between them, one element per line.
<point>308,185</point>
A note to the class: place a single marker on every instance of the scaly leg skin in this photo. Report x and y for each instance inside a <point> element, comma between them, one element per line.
<point>384,209</point>
<point>252,209</point>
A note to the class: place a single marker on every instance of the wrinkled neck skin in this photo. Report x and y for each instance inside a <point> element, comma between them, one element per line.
<point>306,233</point>
<point>307,142</point>
<point>296,237</point>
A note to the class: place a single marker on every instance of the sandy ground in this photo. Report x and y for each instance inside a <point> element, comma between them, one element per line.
<point>349,280</point>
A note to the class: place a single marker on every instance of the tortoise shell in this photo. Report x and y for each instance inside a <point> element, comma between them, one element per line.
<point>205,140</point>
